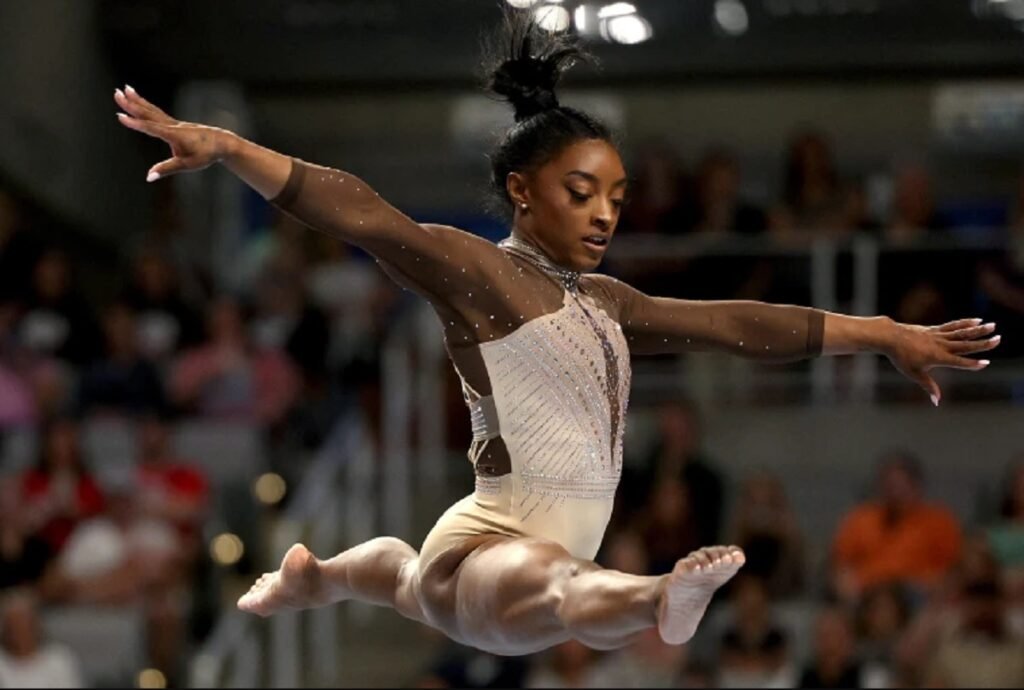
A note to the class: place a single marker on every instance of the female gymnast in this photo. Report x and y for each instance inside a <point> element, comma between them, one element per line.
<point>542,346</point>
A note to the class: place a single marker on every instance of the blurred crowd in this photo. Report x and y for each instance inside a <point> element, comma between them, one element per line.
<point>911,594</point>
<point>908,594</point>
<point>279,346</point>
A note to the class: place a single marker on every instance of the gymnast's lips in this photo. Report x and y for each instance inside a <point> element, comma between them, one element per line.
<point>597,242</point>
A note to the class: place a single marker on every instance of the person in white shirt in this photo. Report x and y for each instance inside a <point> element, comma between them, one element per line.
<point>26,660</point>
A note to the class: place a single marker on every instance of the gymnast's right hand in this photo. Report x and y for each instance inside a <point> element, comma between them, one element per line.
<point>193,146</point>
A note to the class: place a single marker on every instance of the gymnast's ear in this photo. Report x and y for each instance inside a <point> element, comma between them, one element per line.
<point>515,185</point>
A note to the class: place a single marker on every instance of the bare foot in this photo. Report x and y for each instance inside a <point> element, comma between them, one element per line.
<point>295,586</point>
<point>689,588</point>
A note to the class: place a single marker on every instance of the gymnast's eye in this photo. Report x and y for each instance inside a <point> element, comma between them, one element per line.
<point>577,196</point>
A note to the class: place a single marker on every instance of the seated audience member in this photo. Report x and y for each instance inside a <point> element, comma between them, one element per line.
<point>32,385</point>
<point>897,537</point>
<point>812,195</point>
<point>26,660</point>
<point>165,323</point>
<point>23,557</point>
<point>1006,536</point>
<point>754,650</point>
<point>1000,281</point>
<point>59,492</point>
<point>766,528</point>
<point>658,197</point>
<point>834,663</point>
<point>122,381</point>
<point>883,614</point>
<point>57,321</point>
<point>980,652</point>
<point>678,456</point>
<point>170,489</point>
<point>227,377</point>
<point>128,558</point>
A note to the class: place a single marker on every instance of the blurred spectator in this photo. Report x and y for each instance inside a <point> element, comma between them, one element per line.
<point>23,557</point>
<point>668,525</point>
<point>1000,281</point>
<point>286,320</point>
<point>913,214</point>
<point>171,489</point>
<point>26,661</point>
<point>165,321</point>
<point>719,207</point>
<point>1006,536</point>
<point>899,536</point>
<point>919,285</point>
<point>18,248</point>
<point>59,492</point>
<point>812,197</point>
<point>228,377</point>
<point>568,665</point>
<point>834,663</point>
<point>691,485</point>
<point>721,216</point>
<point>882,616</point>
<point>657,196</point>
<point>766,528</point>
<point>754,650</point>
<point>32,386</point>
<point>121,382</point>
<point>57,320</point>
<point>358,302</point>
<point>979,653</point>
<point>126,557</point>
<point>941,615</point>
<point>624,551</point>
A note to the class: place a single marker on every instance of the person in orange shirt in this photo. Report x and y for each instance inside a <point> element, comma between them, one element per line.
<point>897,537</point>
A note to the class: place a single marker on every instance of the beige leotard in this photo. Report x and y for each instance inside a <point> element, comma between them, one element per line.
<point>543,355</point>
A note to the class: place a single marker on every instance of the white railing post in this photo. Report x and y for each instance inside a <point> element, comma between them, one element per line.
<point>865,303</point>
<point>397,388</point>
<point>823,296</point>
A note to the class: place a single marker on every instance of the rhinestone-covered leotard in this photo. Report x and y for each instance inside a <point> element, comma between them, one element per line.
<point>543,355</point>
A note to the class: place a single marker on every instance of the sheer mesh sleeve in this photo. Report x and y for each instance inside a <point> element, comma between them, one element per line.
<point>436,261</point>
<point>756,330</point>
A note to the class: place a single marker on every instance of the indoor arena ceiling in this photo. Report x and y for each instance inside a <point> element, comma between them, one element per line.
<point>327,43</point>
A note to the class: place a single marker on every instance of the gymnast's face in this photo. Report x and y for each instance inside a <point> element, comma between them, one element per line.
<point>572,203</point>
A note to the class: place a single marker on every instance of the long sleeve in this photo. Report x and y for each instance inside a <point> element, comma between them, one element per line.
<point>755,330</point>
<point>433,260</point>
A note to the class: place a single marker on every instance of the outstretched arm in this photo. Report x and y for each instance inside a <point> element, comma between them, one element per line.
<point>786,333</point>
<point>338,203</point>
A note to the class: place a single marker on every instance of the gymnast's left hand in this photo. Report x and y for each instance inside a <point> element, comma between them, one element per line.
<point>193,146</point>
<point>915,350</point>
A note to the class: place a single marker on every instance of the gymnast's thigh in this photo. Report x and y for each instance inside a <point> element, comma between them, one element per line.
<point>508,592</point>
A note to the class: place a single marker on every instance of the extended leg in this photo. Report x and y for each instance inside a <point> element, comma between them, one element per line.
<point>520,596</point>
<point>380,572</point>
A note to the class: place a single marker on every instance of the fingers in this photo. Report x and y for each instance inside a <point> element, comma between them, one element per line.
<point>165,169</point>
<point>137,106</point>
<point>929,386</point>
<point>972,346</point>
<point>153,129</point>
<point>958,324</point>
<point>966,363</point>
<point>969,333</point>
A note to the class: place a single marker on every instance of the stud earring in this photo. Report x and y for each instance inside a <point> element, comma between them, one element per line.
<point>522,206</point>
